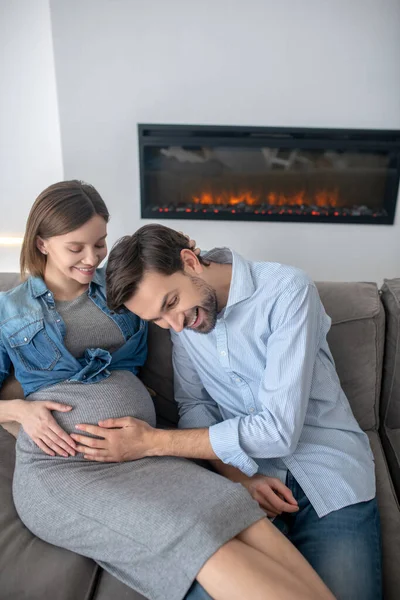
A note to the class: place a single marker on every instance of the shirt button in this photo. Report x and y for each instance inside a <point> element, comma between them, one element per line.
<point>25,339</point>
<point>49,294</point>
<point>84,377</point>
<point>252,409</point>
<point>238,379</point>
<point>58,320</point>
<point>222,353</point>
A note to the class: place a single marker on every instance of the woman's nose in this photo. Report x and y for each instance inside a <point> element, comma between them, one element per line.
<point>91,257</point>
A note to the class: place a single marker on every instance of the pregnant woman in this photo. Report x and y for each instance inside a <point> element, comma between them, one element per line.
<point>165,526</point>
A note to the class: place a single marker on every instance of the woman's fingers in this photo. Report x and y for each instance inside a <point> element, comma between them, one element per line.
<point>43,447</point>
<point>56,406</point>
<point>56,439</point>
<point>63,435</point>
<point>54,446</point>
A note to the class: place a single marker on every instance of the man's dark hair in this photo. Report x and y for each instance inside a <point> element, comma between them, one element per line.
<point>152,248</point>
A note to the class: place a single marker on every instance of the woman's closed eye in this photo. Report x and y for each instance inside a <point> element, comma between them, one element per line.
<point>80,250</point>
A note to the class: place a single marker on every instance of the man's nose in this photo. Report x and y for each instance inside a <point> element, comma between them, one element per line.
<point>175,321</point>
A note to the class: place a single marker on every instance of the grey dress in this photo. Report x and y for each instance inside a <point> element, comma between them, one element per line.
<point>152,523</point>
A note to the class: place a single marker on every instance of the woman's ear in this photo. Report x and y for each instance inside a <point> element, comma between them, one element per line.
<point>41,245</point>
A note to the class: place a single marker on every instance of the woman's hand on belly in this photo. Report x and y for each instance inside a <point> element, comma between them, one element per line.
<point>42,428</point>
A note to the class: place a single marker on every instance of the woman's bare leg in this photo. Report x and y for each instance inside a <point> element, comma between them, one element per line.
<point>266,538</point>
<point>239,570</point>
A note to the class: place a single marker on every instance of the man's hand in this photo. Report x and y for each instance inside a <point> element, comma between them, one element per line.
<point>271,494</point>
<point>123,439</point>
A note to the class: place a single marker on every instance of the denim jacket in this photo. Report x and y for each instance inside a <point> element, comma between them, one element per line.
<point>32,334</point>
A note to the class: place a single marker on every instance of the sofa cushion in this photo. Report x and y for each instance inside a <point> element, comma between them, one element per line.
<point>29,567</point>
<point>390,521</point>
<point>356,340</point>
<point>390,400</point>
<point>9,281</point>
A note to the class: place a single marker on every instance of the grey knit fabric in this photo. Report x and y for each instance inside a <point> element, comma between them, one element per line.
<point>96,329</point>
<point>152,523</point>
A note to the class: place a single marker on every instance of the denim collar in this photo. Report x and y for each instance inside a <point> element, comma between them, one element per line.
<point>39,288</point>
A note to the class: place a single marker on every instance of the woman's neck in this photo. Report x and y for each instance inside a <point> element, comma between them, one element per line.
<point>63,288</point>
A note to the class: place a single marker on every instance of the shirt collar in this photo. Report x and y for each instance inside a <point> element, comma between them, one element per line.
<point>98,278</point>
<point>38,286</point>
<point>242,284</point>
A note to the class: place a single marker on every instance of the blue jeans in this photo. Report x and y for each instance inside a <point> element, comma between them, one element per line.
<point>344,547</point>
<point>197,592</point>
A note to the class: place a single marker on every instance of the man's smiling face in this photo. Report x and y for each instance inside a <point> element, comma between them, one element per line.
<point>179,301</point>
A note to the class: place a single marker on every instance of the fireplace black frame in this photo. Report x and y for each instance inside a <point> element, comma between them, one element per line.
<point>286,137</point>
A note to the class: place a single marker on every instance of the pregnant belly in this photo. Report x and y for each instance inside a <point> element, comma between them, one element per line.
<point>122,394</point>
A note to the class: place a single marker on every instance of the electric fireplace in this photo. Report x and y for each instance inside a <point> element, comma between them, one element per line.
<point>269,174</point>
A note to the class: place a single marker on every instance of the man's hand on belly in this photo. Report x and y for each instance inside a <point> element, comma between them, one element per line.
<point>130,439</point>
<point>122,440</point>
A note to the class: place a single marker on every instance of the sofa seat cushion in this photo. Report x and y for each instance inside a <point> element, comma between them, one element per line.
<point>29,567</point>
<point>356,340</point>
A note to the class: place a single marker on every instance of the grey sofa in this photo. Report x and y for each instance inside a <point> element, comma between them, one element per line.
<point>364,339</point>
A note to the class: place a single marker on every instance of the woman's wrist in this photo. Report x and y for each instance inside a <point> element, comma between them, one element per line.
<point>12,410</point>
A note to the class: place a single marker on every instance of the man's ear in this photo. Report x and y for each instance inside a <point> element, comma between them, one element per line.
<point>190,262</point>
<point>41,245</point>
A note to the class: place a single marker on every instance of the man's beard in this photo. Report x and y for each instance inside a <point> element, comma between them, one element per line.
<point>208,308</point>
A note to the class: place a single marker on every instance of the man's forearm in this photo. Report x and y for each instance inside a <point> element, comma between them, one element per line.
<point>191,443</point>
<point>188,443</point>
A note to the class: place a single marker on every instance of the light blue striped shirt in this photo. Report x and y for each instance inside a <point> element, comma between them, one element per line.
<point>265,383</point>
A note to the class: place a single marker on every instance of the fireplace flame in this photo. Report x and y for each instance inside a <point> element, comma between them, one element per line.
<point>321,198</point>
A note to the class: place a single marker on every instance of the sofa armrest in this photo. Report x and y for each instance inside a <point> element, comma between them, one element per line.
<point>390,394</point>
<point>391,445</point>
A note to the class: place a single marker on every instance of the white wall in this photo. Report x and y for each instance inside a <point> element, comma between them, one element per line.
<point>243,62</point>
<point>30,145</point>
